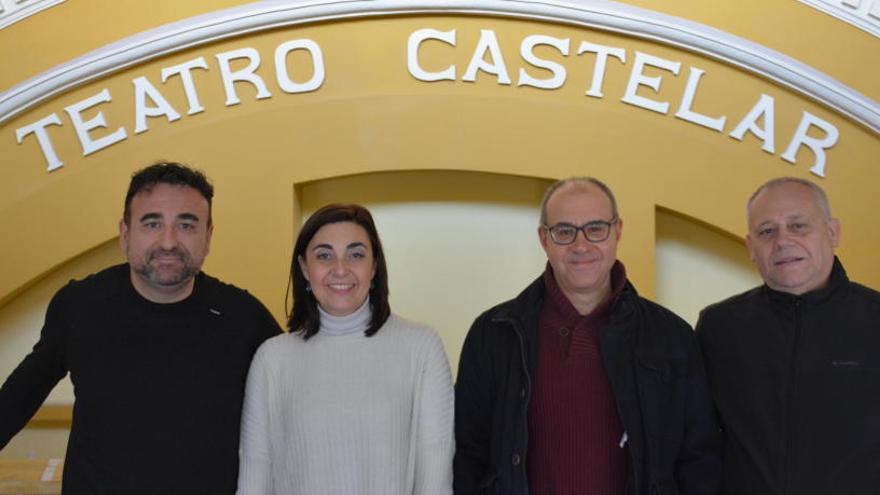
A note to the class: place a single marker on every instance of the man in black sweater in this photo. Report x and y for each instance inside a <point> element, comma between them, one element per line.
<point>794,365</point>
<point>158,353</point>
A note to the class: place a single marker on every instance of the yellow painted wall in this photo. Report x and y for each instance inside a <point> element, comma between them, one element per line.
<point>371,115</point>
<point>459,153</point>
<point>456,243</point>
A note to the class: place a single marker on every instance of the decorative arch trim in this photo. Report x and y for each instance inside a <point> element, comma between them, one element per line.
<point>602,15</point>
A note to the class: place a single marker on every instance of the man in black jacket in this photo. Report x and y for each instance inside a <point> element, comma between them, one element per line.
<point>579,385</point>
<point>158,353</point>
<point>795,363</point>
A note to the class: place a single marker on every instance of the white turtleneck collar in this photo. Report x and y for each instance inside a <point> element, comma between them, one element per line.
<point>358,321</point>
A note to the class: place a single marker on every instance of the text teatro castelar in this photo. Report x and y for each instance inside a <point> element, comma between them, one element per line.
<point>88,120</point>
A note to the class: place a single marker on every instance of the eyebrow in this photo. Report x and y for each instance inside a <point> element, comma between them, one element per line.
<point>150,216</point>
<point>350,246</point>
<point>188,216</point>
<point>789,218</point>
<point>571,224</point>
<point>157,216</point>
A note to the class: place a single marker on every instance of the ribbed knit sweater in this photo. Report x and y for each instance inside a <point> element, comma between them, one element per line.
<point>575,432</point>
<point>343,413</point>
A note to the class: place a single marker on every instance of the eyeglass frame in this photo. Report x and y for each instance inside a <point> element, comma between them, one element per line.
<point>608,224</point>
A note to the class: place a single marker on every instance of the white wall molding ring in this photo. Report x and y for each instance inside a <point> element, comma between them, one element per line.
<point>602,15</point>
<point>19,10</point>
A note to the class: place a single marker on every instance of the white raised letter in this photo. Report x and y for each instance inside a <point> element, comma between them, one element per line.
<point>527,53</point>
<point>687,102</point>
<point>143,89</point>
<point>818,146</point>
<point>765,107</point>
<point>246,74</point>
<point>636,79</point>
<point>497,67</point>
<point>38,128</point>
<point>184,70</point>
<point>283,77</point>
<point>412,55</point>
<point>82,127</point>
<point>602,53</point>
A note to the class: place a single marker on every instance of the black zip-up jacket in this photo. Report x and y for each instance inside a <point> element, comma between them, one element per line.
<point>659,384</point>
<point>796,381</point>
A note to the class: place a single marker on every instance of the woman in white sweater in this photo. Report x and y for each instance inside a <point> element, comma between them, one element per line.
<point>354,400</point>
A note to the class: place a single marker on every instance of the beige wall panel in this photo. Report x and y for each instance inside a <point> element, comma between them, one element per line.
<point>456,243</point>
<point>698,265</point>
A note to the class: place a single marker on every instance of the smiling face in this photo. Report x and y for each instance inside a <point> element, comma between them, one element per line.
<point>790,239</point>
<point>583,268</point>
<point>339,266</point>
<point>166,240</point>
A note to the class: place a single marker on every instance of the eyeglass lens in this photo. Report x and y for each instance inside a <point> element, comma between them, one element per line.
<point>593,231</point>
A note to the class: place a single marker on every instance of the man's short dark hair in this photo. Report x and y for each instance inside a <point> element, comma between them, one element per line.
<point>163,172</point>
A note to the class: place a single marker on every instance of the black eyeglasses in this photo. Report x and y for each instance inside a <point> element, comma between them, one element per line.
<point>566,233</point>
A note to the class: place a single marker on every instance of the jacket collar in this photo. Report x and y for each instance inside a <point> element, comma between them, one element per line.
<point>836,280</point>
<point>526,307</point>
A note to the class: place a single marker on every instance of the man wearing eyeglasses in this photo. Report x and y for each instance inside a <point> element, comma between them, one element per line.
<point>579,385</point>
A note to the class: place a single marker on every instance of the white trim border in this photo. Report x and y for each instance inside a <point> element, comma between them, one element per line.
<point>858,17</point>
<point>603,15</point>
<point>22,10</point>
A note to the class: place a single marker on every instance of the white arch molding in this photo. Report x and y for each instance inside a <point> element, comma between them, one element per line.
<point>602,15</point>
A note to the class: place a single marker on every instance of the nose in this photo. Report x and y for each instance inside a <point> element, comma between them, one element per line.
<point>580,241</point>
<point>168,239</point>
<point>783,239</point>
<point>339,268</point>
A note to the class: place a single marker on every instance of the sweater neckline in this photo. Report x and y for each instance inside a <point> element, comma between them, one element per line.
<point>187,302</point>
<point>356,322</point>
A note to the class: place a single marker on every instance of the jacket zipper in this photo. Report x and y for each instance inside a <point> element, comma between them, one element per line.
<point>791,410</point>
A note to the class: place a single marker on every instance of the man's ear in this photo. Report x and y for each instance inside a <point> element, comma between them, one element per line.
<point>834,231</point>
<point>209,235</point>
<point>123,236</point>
<point>543,236</point>
<point>750,247</point>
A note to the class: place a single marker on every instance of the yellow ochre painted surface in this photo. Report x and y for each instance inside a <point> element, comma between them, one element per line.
<point>370,114</point>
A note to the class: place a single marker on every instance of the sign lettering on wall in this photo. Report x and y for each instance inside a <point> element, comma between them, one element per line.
<point>92,120</point>
<point>814,133</point>
<point>93,130</point>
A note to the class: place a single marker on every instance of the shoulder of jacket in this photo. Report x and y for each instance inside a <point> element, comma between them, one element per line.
<point>661,318</point>
<point>868,294</point>
<point>733,303</point>
<point>530,297</point>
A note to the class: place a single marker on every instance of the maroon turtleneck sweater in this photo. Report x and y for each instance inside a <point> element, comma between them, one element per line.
<point>574,430</point>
